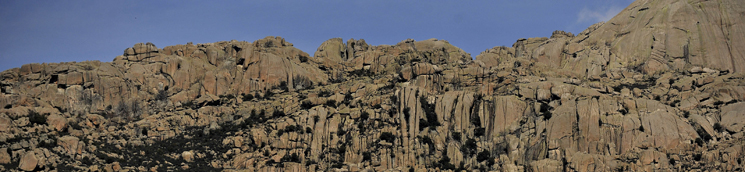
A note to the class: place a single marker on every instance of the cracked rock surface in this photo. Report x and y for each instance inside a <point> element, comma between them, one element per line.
<point>660,87</point>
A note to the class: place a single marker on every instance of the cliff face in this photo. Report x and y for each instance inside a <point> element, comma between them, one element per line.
<point>651,37</point>
<point>658,87</point>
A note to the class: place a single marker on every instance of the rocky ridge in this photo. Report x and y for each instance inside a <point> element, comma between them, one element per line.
<point>658,87</point>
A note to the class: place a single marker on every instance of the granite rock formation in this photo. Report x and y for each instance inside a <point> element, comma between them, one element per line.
<point>660,87</point>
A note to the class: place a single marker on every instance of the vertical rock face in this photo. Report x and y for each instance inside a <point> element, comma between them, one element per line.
<point>656,88</point>
<point>650,36</point>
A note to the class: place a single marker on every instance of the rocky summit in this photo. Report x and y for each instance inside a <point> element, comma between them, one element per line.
<point>660,87</point>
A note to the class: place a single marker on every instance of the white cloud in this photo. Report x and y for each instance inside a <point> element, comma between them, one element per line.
<point>598,15</point>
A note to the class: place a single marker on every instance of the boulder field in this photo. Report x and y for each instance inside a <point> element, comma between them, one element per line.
<point>660,87</point>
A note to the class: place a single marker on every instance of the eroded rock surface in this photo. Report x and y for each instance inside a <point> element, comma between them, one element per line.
<point>656,88</point>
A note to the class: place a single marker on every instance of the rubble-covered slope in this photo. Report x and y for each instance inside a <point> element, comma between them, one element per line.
<point>564,103</point>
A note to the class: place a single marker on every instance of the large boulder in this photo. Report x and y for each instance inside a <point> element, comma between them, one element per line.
<point>733,117</point>
<point>689,30</point>
<point>4,156</point>
<point>141,51</point>
<point>28,161</point>
<point>648,36</point>
<point>71,145</point>
<point>58,122</point>
<point>5,123</point>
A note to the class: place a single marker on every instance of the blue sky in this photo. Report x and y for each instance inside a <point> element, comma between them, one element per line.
<point>61,31</point>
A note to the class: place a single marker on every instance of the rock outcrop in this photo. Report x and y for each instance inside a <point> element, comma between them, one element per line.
<point>656,88</point>
<point>649,36</point>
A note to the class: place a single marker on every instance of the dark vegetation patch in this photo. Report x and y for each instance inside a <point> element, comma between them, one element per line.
<point>189,104</point>
<point>407,114</point>
<point>643,85</point>
<point>697,157</point>
<point>443,163</point>
<point>456,136</point>
<point>36,118</point>
<point>502,147</point>
<point>479,132</point>
<point>283,86</point>
<point>469,148</point>
<point>157,152</point>
<point>129,111</point>
<point>364,116</point>
<point>483,156</point>
<point>337,79</point>
<point>290,158</point>
<point>362,73</point>
<point>267,95</point>
<point>331,103</point>
<point>388,86</point>
<point>428,141</point>
<point>431,116</point>
<point>545,111</point>
<point>278,114</point>
<point>324,93</point>
<point>347,99</point>
<point>703,134</point>
<point>671,161</point>
<point>388,137</point>
<point>88,98</point>
<point>718,127</point>
<point>226,99</point>
<point>255,118</point>
<point>290,129</point>
<point>366,157</point>
<point>306,104</point>
<point>162,95</point>
<point>247,97</point>
<point>301,82</point>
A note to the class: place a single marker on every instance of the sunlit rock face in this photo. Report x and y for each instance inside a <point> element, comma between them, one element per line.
<point>660,87</point>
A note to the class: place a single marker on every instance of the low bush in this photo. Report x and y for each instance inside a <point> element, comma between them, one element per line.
<point>444,163</point>
<point>301,82</point>
<point>283,86</point>
<point>388,137</point>
<point>406,114</point>
<point>703,134</point>
<point>36,118</point>
<point>162,95</point>
<point>479,132</point>
<point>718,127</point>
<point>128,111</point>
<point>87,98</point>
<point>331,103</point>
<point>247,97</point>
<point>483,156</point>
<point>278,113</point>
<point>324,93</point>
<point>470,147</point>
<point>364,116</point>
<point>456,136</point>
<point>306,104</point>
<point>429,110</point>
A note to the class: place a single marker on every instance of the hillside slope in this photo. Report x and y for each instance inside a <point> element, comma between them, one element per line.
<point>660,87</point>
